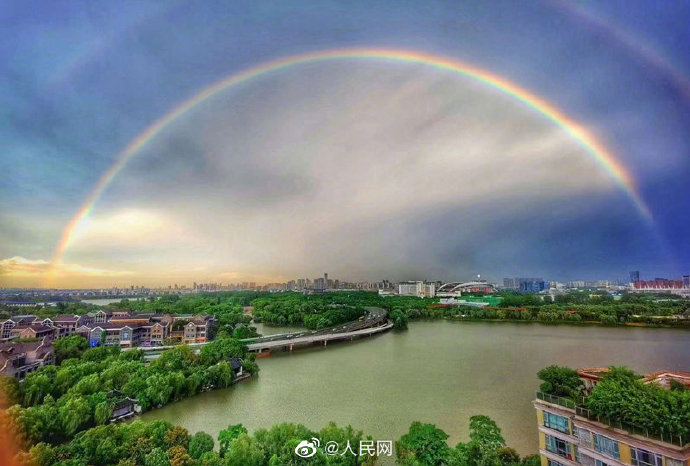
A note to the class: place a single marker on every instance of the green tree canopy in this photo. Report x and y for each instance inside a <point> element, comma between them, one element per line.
<point>560,381</point>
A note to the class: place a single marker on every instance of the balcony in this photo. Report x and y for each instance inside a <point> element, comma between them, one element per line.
<point>633,429</point>
<point>581,411</point>
<point>557,400</point>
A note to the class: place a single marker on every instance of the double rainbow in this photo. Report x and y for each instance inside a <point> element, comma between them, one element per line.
<point>593,147</point>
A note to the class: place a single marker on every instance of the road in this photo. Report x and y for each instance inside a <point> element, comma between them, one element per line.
<point>374,321</point>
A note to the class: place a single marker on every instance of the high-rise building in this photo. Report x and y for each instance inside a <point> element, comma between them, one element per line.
<point>634,276</point>
<point>686,281</point>
<point>570,434</point>
<point>319,284</point>
<point>530,285</point>
<point>417,288</point>
<point>509,283</point>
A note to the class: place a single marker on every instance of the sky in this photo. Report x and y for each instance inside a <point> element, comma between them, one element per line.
<point>366,168</point>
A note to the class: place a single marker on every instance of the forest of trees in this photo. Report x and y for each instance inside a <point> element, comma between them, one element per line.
<point>159,443</point>
<point>56,402</point>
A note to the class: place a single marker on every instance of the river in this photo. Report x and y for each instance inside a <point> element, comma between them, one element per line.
<point>437,371</point>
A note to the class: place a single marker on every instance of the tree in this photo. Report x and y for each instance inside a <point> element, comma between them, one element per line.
<point>226,436</point>
<point>102,412</point>
<point>157,457</point>
<point>72,346</point>
<point>178,456</point>
<point>560,381</point>
<point>399,319</point>
<point>343,435</point>
<point>74,412</point>
<point>9,391</point>
<point>424,444</point>
<point>157,389</point>
<point>177,436</point>
<point>244,451</point>
<point>36,386</point>
<point>486,434</point>
<point>220,375</point>
<point>200,443</point>
<point>42,454</point>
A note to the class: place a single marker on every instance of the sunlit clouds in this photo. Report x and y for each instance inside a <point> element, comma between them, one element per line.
<point>307,169</point>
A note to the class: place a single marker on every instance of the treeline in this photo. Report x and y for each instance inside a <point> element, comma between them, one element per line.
<point>56,402</point>
<point>312,311</point>
<point>159,443</point>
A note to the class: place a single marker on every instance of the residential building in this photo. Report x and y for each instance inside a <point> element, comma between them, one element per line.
<point>35,331</point>
<point>570,435</point>
<point>531,285</point>
<point>159,332</point>
<point>69,323</point>
<point>7,325</point>
<point>19,359</point>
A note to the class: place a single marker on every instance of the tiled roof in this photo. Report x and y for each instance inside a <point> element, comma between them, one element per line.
<point>65,318</point>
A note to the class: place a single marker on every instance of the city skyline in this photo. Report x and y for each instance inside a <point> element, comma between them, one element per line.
<point>249,144</point>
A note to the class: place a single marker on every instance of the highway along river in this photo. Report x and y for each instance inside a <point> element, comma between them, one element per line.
<point>437,371</point>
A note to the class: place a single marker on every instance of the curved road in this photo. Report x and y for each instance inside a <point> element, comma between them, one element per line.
<point>374,321</point>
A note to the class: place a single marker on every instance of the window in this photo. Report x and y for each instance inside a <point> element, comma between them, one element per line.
<point>554,463</point>
<point>584,460</point>
<point>642,457</point>
<point>606,446</point>
<point>600,463</point>
<point>554,421</point>
<point>558,446</point>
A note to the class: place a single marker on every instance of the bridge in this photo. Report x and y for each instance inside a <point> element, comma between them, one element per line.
<point>374,321</point>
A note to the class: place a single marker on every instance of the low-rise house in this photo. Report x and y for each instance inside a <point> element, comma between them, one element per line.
<point>124,335</point>
<point>197,329</point>
<point>7,325</point>
<point>159,332</point>
<point>101,316</point>
<point>17,359</point>
<point>69,323</point>
<point>35,331</point>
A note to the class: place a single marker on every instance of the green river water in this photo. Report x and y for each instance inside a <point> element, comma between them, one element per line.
<point>437,371</point>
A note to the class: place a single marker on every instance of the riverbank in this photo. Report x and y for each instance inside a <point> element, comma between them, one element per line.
<point>597,323</point>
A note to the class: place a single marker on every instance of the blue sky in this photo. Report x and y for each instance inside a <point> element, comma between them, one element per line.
<point>82,79</point>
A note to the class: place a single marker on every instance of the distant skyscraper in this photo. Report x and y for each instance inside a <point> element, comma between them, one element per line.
<point>686,281</point>
<point>634,276</point>
<point>509,283</point>
<point>531,285</point>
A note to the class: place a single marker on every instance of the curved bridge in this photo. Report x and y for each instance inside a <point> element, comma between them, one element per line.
<point>374,321</point>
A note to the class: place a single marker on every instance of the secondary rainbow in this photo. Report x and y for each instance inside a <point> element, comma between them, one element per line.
<point>593,147</point>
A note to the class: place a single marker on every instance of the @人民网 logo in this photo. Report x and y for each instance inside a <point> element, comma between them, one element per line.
<point>307,449</point>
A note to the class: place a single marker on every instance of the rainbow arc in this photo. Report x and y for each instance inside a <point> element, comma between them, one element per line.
<point>594,148</point>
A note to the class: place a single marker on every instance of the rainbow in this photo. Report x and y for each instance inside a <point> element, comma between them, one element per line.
<point>596,150</point>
